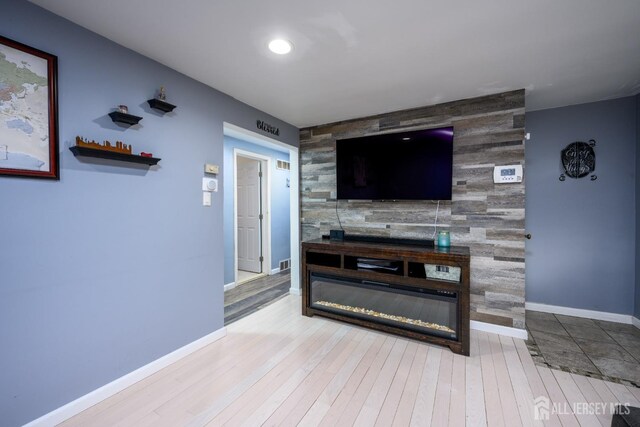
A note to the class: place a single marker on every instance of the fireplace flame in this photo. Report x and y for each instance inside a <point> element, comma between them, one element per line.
<point>373,313</point>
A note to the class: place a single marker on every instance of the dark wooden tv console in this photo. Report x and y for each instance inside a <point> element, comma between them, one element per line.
<point>384,286</point>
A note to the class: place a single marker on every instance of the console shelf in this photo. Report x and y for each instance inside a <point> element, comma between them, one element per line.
<point>384,286</point>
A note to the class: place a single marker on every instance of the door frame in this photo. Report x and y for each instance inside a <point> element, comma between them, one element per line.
<point>294,194</point>
<point>265,226</point>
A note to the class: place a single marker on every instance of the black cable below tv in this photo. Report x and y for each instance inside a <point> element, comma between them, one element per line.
<point>388,240</point>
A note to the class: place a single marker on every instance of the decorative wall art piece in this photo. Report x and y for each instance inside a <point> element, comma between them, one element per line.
<point>579,160</point>
<point>28,111</point>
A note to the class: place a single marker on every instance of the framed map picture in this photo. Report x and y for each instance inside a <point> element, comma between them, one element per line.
<point>28,111</point>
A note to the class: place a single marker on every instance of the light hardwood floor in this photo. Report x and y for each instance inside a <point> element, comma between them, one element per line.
<point>278,368</point>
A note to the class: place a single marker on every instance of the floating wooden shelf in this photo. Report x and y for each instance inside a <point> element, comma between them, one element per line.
<point>128,119</point>
<point>113,155</point>
<point>158,104</point>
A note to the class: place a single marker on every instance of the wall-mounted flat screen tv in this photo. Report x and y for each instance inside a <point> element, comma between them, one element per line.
<point>414,165</point>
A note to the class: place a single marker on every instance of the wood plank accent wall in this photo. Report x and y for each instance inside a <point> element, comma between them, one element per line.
<point>488,218</point>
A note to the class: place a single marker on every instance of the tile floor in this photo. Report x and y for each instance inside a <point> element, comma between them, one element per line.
<point>604,350</point>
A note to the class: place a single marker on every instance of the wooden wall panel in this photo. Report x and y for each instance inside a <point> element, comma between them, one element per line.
<point>488,218</point>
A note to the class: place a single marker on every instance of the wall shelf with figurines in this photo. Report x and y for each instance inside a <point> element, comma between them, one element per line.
<point>122,116</point>
<point>161,105</point>
<point>119,151</point>
<point>160,102</point>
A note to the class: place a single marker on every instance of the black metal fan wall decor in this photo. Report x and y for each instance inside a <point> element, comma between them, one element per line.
<point>579,160</point>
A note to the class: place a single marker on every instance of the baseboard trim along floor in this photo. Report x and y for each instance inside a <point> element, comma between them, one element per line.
<point>578,312</point>
<point>500,330</point>
<point>295,291</point>
<point>82,403</point>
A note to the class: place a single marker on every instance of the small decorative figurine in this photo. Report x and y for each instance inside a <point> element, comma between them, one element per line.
<point>162,94</point>
<point>143,154</point>
<point>123,109</point>
<point>119,147</point>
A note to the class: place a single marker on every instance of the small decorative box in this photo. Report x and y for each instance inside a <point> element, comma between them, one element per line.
<point>442,272</point>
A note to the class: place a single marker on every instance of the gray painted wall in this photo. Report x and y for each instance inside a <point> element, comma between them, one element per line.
<point>113,266</point>
<point>637,305</point>
<point>582,254</point>
<point>280,197</point>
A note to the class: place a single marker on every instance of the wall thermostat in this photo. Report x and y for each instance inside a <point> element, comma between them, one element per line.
<point>507,174</point>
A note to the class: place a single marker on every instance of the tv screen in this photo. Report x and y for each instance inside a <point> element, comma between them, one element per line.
<point>415,165</point>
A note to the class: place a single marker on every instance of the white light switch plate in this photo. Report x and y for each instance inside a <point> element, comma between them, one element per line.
<point>206,198</point>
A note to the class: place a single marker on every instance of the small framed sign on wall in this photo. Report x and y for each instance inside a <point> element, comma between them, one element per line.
<point>28,111</point>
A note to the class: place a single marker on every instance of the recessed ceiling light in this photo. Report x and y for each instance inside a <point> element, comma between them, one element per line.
<point>280,46</point>
<point>406,139</point>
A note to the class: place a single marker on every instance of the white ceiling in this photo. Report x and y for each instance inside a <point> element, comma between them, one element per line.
<point>361,57</point>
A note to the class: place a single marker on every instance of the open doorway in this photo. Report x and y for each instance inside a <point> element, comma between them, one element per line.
<point>261,221</point>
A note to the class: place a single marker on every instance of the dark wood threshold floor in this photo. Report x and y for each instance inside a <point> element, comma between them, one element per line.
<point>251,296</point>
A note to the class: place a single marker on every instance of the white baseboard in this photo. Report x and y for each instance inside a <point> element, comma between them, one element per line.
<point>578,312</point>
<point>500,330</point>
<point>295,291</point>
<point>88,400</point>
<point>636,322</point>
<point>229,286</point>
<point>275,271</point>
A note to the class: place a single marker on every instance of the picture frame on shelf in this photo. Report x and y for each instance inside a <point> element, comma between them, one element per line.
<point>28,111</point>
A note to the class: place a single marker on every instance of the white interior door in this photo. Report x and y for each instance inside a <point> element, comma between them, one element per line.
<point>249,214</point>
